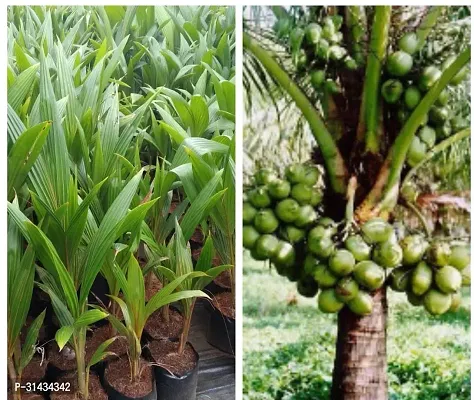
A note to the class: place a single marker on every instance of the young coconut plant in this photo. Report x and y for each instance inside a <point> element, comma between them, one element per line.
<point>69,301</point>
<point>21,272</point>
<point>22,146</point>
<point>201,203</point>
<point>177,360</point>
<point>203,161</point>
<point>136,310</point>
<point>180,264</point>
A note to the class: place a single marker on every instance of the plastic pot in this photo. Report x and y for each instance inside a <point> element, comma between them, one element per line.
<point>172,387</point>
<point>100,290</point>
<point>213,288</point>
<point>116,395</point>
<point>221,332</point>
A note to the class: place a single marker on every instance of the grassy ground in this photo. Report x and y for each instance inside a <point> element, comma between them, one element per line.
<point>289,345</point>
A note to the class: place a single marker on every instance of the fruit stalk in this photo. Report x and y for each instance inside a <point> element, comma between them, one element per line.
<point>435,150</point>
<point>369,110</point>
<point>428,23</point>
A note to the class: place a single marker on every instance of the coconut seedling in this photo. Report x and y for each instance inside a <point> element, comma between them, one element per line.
<point>136,310</point>
<point>70,302</point>
<point>21,272</point>
<point>181,264</point>
<point>203,192</point>
<point>206,170</point>
<point>22,146</point>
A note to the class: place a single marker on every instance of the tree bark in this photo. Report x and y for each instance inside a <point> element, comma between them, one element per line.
<point>360,367</point>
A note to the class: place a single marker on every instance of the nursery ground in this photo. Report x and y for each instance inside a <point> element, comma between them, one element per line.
<point>216,379</point>
<point>289,345</point>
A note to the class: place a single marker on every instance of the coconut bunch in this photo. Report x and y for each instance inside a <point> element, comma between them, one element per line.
<point>349,267</point>
<point>279,210</point>
<point>317,47</point>
<point>432,274</point>
<point>346,265</point>
<point>404,87</point>
<point>278,213</point>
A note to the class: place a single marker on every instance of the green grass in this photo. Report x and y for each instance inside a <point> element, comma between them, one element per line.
<point>289,346</point>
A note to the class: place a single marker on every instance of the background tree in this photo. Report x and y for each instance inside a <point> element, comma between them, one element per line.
<point>366,144</point>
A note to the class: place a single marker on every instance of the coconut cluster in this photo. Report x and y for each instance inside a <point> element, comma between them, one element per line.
<point>278,211</point>
<point>318,46</point>
<point>284,223</point>
<point>432,274</point>
<point>404,89</point>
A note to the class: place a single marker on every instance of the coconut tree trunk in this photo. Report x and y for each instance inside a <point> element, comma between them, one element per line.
<point>360,367</point>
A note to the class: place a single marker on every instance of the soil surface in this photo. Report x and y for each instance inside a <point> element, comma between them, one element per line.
<point>224,302</point>
<point>197,237</point>
<point>157,328</point>
<point>165,354</point>
<point>117,374</point>
<point>35,370</point>
<point>99,336</point>
<point>96,391</point>
<point>27,396</point>
<point>153,287</point>
<point>64,360</point>
<point>223,280</point>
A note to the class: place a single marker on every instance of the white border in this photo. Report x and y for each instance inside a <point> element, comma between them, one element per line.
<point>239,134</point>
<point>239,128</point>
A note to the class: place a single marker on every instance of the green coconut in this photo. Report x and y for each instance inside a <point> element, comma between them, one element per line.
<point>264,176</point>
<point>414,248</point>
<point>306,216</point>
<point>284,254</point>
<point>279,189</point>
<point>293,234</point>
<point>322,247</point>
<point>388,254</point>
<point>392,90</point>
<point>266,221</point>
<point>361,304</point>
<point>436,302</point>
<point>259,197</point>
<point>456,301</point>
<point>460,256</point>
<point>328,302</point>
<point>412,97</point>
<point>266,246</point>
<point>376,230</point>
<point>295,173</point>
<point>302,193</point>
<point>307,287</point>
<point>249,236</point>
<point>323,276</point>
<point>342,262</point>
<point>346,289</point>
<point>400,279</point>
<point>439,253</point>
<point>248,213</point>
<point>448,279</point>
<point>429,76</point>
<point>287,210</point>
<point>408,42</point>
<point>399,63</point>
<point>369,274</point>
<point>421,278</point>
<point>358,247</point>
